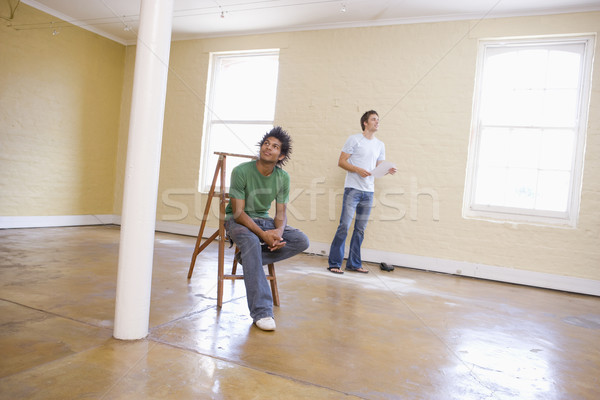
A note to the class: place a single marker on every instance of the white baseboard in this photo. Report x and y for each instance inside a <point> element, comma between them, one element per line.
<point>462,268</point>
<point>57,220</point>
<point>474,270</point>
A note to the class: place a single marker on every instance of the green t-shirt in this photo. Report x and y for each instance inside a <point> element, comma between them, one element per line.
<point>259,191</point>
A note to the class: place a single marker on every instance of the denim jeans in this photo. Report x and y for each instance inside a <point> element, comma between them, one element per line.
<point>254,256</point>
<point>359,203</point>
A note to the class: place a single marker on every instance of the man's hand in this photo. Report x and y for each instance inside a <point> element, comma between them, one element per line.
<point>273,239</point>
<point>392,171</point>
<point>362,172</point>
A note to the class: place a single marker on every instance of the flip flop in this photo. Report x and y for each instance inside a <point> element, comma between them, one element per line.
<point>361,270</point>
<point>339,271</point>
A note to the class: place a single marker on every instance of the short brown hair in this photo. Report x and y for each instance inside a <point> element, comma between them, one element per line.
<point>365,118</point>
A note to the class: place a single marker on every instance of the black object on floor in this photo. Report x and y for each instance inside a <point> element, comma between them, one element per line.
<point>386,267</point>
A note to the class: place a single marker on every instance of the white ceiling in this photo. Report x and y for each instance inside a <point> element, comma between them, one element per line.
<point>118,19</point>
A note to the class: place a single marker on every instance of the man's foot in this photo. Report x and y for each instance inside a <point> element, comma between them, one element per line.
<point>335,270</point>
<point>266,324</point>
<point>361,270</point>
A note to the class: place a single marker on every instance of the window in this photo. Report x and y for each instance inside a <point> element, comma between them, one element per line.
<point>240,107</point>
<point>528,130</point>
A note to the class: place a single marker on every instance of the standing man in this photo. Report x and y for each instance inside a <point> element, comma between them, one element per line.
<point>360,155</point>
<point>261,239</point>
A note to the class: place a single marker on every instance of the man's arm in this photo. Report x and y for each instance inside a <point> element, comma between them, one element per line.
<point>280,223</point>
<point>240,216</point>
<point>273,238</point>
<point>344,164</point>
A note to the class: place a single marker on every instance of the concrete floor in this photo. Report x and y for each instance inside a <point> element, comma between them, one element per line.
<point>405,334</point>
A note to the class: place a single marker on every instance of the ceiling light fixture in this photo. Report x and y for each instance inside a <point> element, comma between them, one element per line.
<point>222,12</point>
<point>343,8</point>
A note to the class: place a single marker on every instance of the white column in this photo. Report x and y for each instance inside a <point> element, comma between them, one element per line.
<point>132,310</point>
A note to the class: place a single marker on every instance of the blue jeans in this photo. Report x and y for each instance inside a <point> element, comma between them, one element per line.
<point>254,256</point>
<point>359,203</point>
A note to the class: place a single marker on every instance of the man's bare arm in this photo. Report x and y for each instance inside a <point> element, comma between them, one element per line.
<point>280,223</point>
<point>240,216</point>
<point>344,164</point>
<point>273,238</point>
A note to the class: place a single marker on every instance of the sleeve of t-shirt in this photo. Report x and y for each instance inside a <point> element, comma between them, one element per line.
<point>283,194</point>
<point>350,145</point>
<point>381,152</point>
<point>237,186</point>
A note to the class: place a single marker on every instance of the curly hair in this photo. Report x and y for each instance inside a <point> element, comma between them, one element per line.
<point>286,143</point>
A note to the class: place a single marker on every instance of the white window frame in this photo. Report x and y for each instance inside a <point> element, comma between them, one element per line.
<point>208,158</point>
<point>525,215</point>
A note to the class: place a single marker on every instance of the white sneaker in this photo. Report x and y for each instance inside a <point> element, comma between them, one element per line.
<point>266,324</point>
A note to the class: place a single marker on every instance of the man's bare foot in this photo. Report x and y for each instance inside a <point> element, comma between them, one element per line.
<point>361,270</point>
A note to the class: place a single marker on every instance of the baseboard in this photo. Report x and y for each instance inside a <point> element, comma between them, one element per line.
<point>461,268</point>
<point>57,220</point>
<point>475,270</point>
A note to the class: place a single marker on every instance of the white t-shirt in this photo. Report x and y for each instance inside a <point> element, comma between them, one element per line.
<point>364,154</point>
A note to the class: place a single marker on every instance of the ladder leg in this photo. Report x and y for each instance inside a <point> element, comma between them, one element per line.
<point>274,290</point>
<point>211,193</point>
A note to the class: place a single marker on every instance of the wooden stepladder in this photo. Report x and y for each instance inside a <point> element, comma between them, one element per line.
<point>220,174</point>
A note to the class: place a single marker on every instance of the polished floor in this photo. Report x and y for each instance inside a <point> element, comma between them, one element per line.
<point>405,334</point>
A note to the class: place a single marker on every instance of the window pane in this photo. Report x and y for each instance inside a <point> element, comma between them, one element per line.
<point>553,191</point>
<point>237,138</point>
<point>564,69</point>
<point>526,107</point>
<point>529,125</point>
<point>240,108</point>
<point>493,147</point>
<point>521,188</point>
<point>524,147</point>
<point>245,88</point>
<point>232,138</point>
<point>491,186</point>
<point>531,66</point>
<point>560,108</point>
<point>557,150</point>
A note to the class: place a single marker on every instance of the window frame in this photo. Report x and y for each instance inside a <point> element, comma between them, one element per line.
<point>524,215</point>
<point>210,119</point>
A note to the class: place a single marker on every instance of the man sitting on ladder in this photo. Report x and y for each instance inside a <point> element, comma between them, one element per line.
<point>262,240</point>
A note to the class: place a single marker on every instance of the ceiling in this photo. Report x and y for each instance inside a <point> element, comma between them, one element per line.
<point>118,19</point>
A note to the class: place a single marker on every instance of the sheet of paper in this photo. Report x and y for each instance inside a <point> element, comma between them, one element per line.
<point>382,169</point>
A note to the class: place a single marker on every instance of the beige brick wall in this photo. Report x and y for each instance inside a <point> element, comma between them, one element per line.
<point>64,119</point>
<point>59,112</point>
<point>420,79</point>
